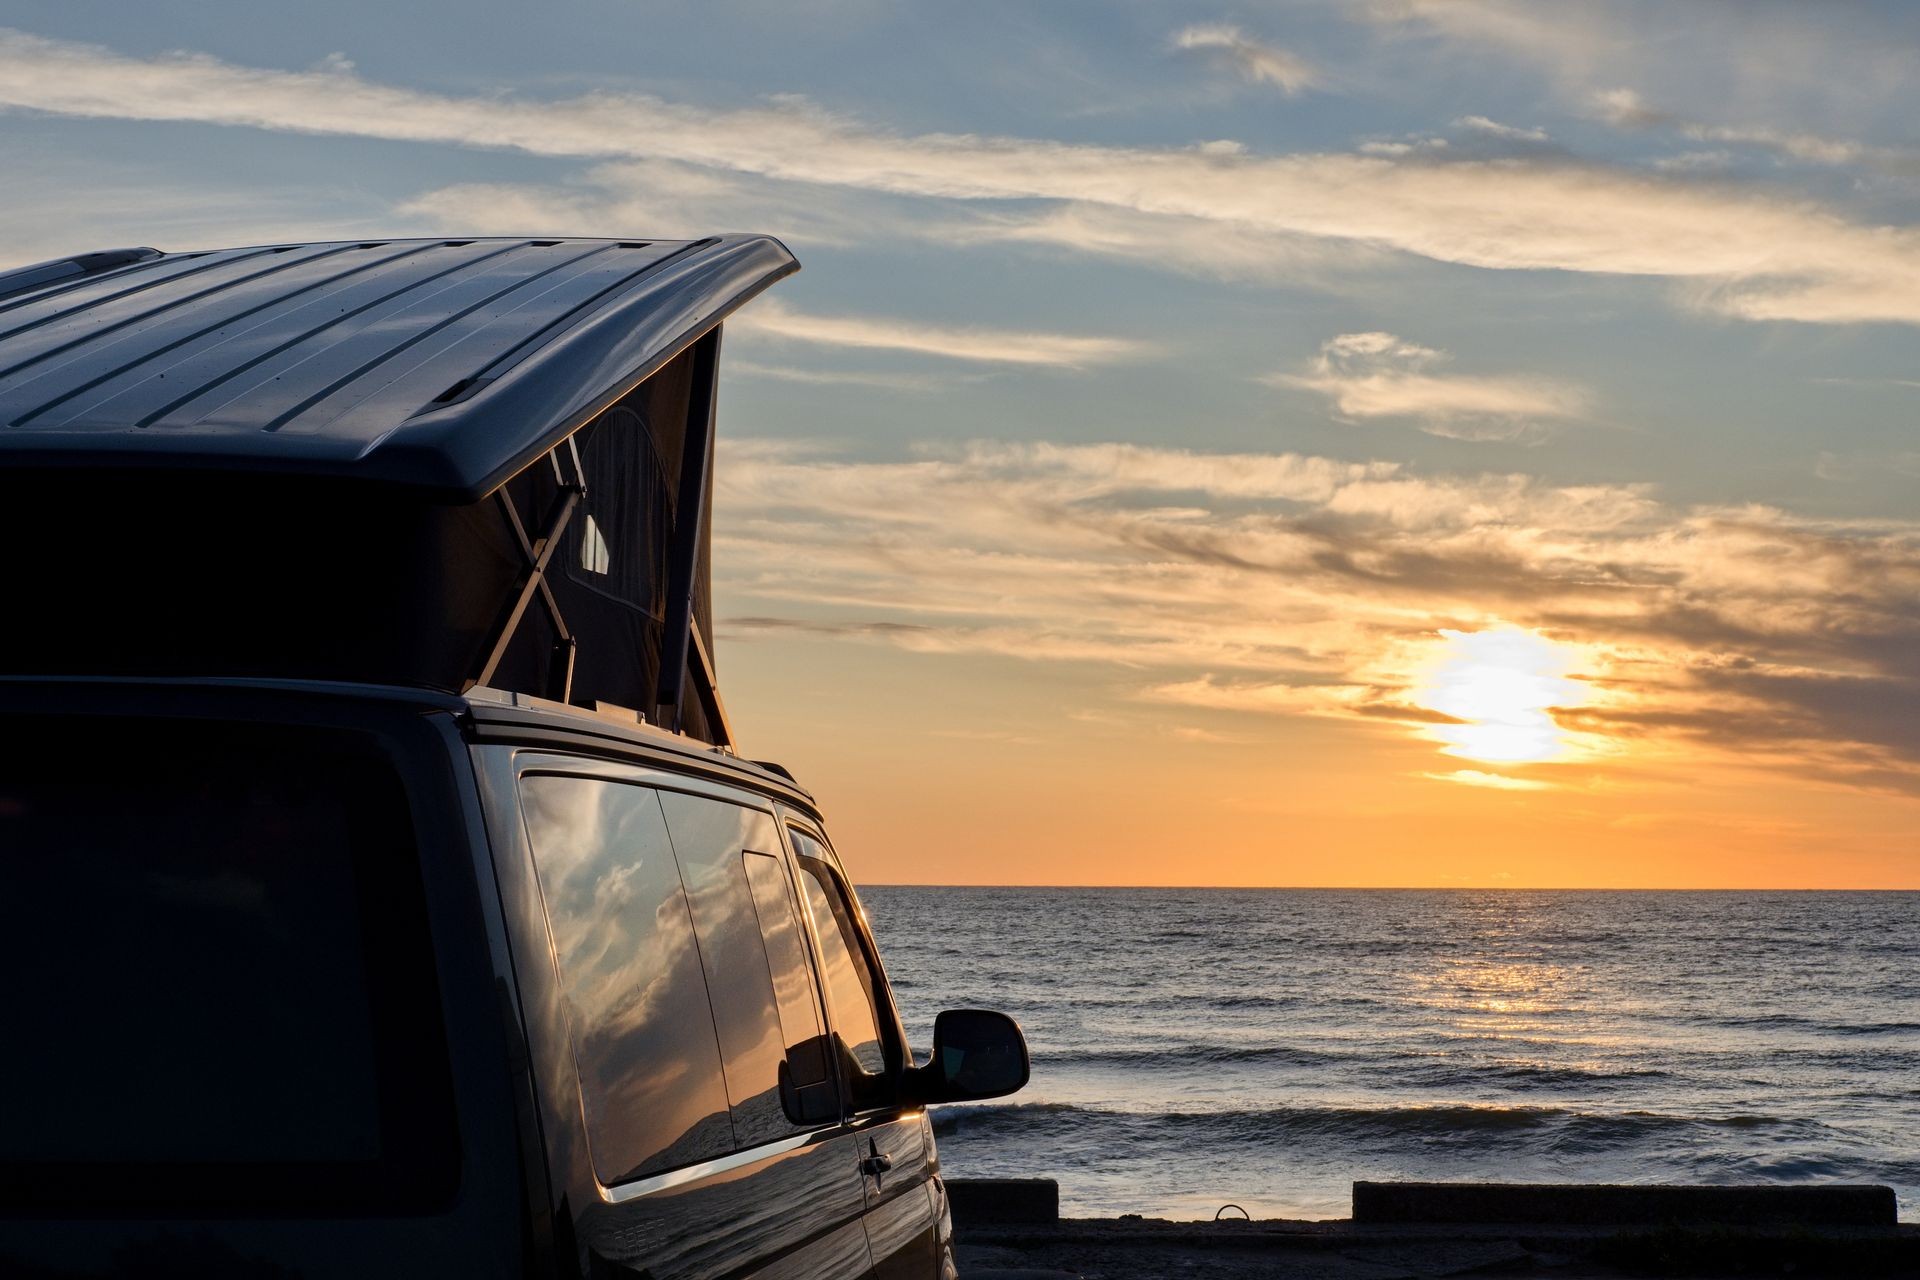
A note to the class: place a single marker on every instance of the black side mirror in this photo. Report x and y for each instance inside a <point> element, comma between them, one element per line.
<point>976,1054</point>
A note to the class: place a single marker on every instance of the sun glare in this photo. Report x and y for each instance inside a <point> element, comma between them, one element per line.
<point>1499,684</point>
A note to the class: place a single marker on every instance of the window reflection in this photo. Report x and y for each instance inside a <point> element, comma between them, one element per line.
<point>712,839</point>
<point>644,1040</point>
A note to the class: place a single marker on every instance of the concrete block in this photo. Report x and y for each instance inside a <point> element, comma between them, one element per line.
<point>976,1201</point>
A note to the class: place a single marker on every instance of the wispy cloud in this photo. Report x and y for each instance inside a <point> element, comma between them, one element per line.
<point>1229,47</point>
<point>1495,129</point>
<point>808,375</point>
<point>1562,33</point>
<point>980,345</point>
<point>1741,253</point>
<point>1189,244</point>
<point>1378,375</point>
<point>1626,109</point>
<point>1493,781</point>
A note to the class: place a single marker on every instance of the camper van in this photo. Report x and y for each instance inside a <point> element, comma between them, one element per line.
<point>384,891</point>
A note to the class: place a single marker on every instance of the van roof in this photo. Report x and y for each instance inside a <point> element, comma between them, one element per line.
<point>440,365</point>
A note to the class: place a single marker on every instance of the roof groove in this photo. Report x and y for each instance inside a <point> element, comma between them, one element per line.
<point>196,334</point>
<point>512,355</point>
<point>331,321</point>
<point>118,325</point>
<point>362,369</point>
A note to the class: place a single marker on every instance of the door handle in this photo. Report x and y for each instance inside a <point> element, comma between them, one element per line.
<point>876,1164</point>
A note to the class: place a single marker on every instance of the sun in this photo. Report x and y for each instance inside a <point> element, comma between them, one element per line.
<point>1499,685</point>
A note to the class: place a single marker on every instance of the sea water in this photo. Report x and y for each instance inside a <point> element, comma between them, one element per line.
<point>1269,1047</point>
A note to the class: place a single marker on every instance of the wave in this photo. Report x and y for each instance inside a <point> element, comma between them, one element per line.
<point>1200,1055</point>
<point>1427,1069</point>
<point>1816,1025</point>
<point>1535,1075</point>
<point>1287,1002</point>
<point>1559,1129</point>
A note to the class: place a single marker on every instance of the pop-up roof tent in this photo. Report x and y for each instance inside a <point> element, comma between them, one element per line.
<point>442,463</point>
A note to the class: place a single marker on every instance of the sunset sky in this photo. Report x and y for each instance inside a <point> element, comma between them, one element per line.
<point>1356,442</point>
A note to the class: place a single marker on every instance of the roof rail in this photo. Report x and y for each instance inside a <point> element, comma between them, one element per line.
<point>84,264</point>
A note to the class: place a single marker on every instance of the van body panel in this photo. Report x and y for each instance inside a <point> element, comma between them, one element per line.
<point>525,1198</point>
<point>773,1216</point>
<point>902,1214</point>
<point>136,1218</point>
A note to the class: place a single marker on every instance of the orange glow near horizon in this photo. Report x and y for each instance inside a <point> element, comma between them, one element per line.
<point>1500,685</point>
<point>1002,777</point>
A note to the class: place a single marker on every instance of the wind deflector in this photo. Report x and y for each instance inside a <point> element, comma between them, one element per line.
<point>435,462</point>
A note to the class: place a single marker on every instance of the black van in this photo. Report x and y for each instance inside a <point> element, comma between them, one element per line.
<point>382,891</point>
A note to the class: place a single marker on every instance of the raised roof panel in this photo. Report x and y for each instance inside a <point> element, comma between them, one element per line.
<point>445,365</point>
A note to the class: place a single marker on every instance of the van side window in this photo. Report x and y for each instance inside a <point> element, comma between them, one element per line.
<point>643,1037</point>
<point>808,1090</point>
<point>851,986</point>
<point>712,839</point>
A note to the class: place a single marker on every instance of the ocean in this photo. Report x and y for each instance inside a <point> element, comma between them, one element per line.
<point>1268,1047</point>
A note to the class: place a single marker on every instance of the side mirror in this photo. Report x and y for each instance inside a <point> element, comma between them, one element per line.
<point>976,1054</point>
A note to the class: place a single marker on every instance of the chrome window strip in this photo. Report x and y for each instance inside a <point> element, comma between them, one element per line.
<point>709,1168</point>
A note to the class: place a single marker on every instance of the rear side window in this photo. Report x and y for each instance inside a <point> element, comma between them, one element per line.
<point>852,983</point>
<point>643,1036</point>
<point>220,988</point>
<point>715,842</point>
<point>807,1088</point>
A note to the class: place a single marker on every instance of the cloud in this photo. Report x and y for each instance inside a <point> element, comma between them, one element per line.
<point>1568,38</point>
<point>776,319</point>
<point>1493,128</point>
<point>1189,244</point>
<point>1495,781</point>
<point>1742,253</point>
<point>1626,109</point>
<point>1695,162</point>
<point>1378,375</point>
<point>1290,585</point>
<point>670,199</point>
<point>1766,62</point>
<point>742,626</point>
<point>1229,47</point>
<point>839,377</point>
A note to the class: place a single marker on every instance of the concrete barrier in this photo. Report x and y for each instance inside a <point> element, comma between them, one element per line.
<point>1022,1200</point>
<point>1589,1205</point>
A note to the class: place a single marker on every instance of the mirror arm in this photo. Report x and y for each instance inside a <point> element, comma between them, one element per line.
<point>922,1086</point>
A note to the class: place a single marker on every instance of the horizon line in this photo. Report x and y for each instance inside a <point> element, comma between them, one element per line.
<point>1413,888</point>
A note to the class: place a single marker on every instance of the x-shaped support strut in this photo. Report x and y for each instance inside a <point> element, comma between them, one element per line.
<point>537,554</point>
